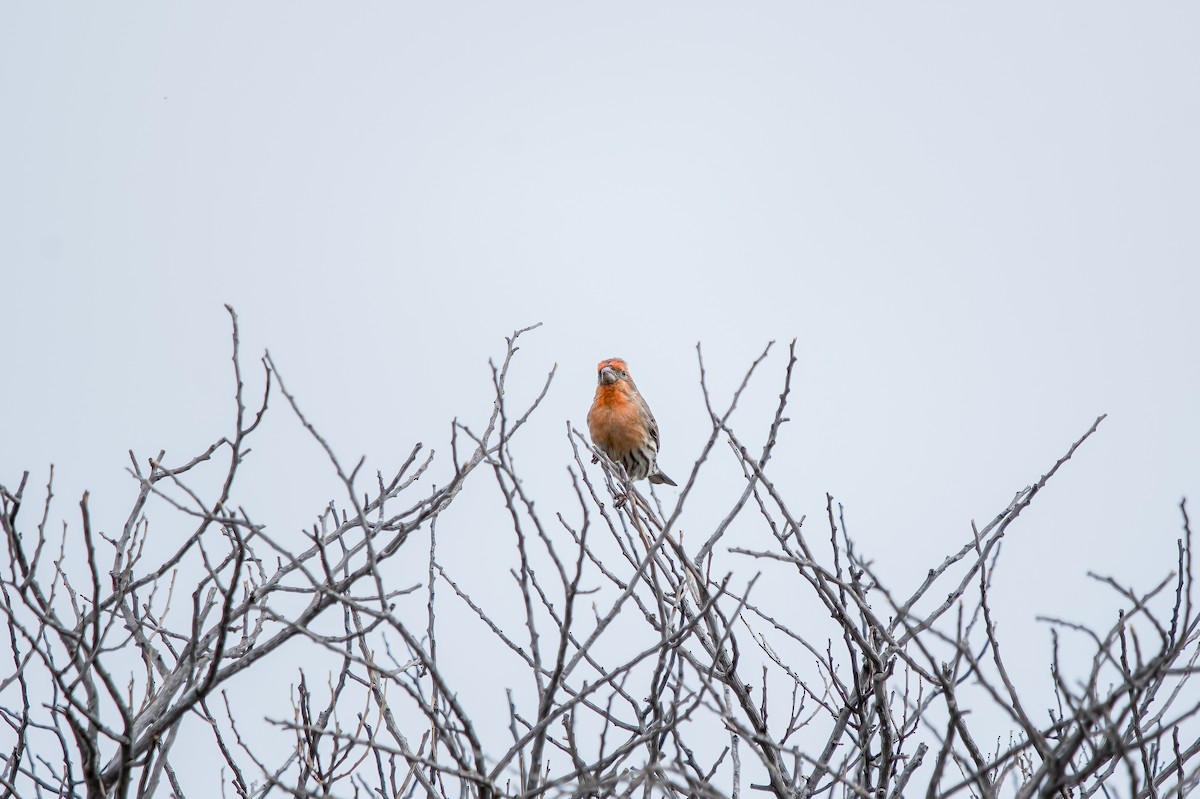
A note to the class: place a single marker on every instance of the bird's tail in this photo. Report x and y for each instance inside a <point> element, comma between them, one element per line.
<point>659,478</point>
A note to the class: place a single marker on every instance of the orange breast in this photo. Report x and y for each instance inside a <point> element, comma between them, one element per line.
<point>614,422</point>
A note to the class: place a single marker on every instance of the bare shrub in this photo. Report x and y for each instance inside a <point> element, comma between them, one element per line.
<point>645,670</point>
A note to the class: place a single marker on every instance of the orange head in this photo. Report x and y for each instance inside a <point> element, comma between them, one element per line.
<point>611,370</point>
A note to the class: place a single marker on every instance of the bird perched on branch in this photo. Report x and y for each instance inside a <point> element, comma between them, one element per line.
<point>621,423</point>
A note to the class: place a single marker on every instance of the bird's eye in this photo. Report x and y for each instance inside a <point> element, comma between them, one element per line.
<point>623,373</point>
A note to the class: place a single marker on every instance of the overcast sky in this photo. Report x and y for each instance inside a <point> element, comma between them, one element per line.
<point>979,222</point>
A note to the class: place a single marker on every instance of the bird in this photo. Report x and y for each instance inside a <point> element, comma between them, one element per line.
<point>622,425</point>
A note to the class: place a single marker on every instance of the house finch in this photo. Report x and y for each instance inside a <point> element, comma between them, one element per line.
<point>622,426</point>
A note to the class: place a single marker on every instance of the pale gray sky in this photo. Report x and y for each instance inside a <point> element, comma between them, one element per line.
<point>980,223</point>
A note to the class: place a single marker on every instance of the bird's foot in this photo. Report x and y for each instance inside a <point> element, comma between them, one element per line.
<point>619,500</point>
<point>595,458</point>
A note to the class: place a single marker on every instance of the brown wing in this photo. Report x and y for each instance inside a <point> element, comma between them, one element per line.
<point>648,420</point>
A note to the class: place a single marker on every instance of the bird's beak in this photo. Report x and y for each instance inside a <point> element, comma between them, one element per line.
<point>608,376</point>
